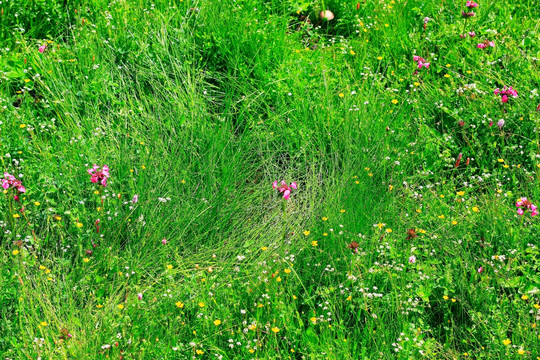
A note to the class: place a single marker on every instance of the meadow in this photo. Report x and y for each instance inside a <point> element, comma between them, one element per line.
<point>269,179</point>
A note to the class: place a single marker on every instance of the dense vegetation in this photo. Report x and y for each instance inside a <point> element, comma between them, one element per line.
<point>140,142</point>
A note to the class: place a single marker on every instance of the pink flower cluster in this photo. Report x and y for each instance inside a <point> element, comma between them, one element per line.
<point>10,181</point>
<point>505,92</point>
<point>485,44</point>
<point>421,62</point>
<point>284,188</point>
<point>42,48</point>
<point>471,4</point>
<point>99,176</point>
<point>524,204</point>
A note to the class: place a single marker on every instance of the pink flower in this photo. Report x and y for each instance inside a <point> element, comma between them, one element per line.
<point>505,92</point>
<point>10,181</point>
<point>284,188</point>
<point>471,4</point>
<point>412,259</point>
<point>421,63</point>
<point>492,43</point>
<point>480,269</point>
<point>500,123</point>
<point>139,296</point>
<point>467,15</point>
<point>472,34</point>
<point>481,46</point>
<point>164,241</point>
<point>524,204</point>
<point>99,176</point>
<point>135,199</point>
<point>42,48</point>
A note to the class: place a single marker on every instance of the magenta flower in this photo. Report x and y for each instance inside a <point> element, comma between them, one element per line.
<point>284,188</point>
<point>471,4</point>
<point>472,34</point>
<point>10,181</point>
<point>139,296</point>
<point>480,269</point>
<point>505,92</point>
<point>99,176</point>
<point>42,48</point>
<point>523,204</point>
<point>164,241</point>
<point>467,15</point>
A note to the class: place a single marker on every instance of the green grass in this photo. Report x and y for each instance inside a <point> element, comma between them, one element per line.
<point>197,107</point>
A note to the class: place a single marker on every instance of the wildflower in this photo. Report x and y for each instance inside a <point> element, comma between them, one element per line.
<point>521,351</point>
<point>169,267</point>
<point>467,15</point>
<point>275,329</point>
<point>445,297</point>
<point>135,199</point>
<point>99,176</point>
<point>524,204</point>
<point>86,260</point>
<point>217,322</point>
<point>412,259</point>
<point>472,34</point>
<point>480,269</point>
<point>179,304</point>
<point>324,218</point>
<point>314,243</point>
<point>500,123</point>
<point>421,62</point>
<point>394,101</point>
<point>287,271</point>
<point>264,248</point>
<point>15,252</point>
<point>199,352</point>
<point>411,234</point>
<point>43,323</point>
<point>284,188</point>
<point>507,342</point>
<point>139,296</point>
<point>10,181</point>
<point>354,247</point>
<point>475,209</point>
<point>389,230</point>
<point>505,92</point>
<point>426,20</point>
<point>306,233</point>
<point>42,48</point>
<point>342,211</point>
<point>120,306</point>
<point>471,4</point>
<point>524,297</point>
<point>201,304</point>
<point>164,241</point>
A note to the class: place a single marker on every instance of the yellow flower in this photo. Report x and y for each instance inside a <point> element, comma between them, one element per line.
<point>441,216</point>
<point>349,298</point>
<point>199,352</point>
<point>96,192</point>
<point>306,232</point>
<point>536,306</point>
<point>521,351</point>
<point>251,351</point>
<point>314,243</point>
<point>325,234</point>
<point>454,222</point>
<point>352,52</point>
<point>453,300</point>
<point>394,101</point>
<point>446,75</point>
<point>99,306</point>
<point>169,267</point>
<point>201,304</point>
<point>79,225</point>
<point>120,306</point>
<point>313,319</point>
<point>342,211</point>
<point>461,193</point>
<point>37,203</point>
<point>275,329</point>
<point>22,126</point>
<point>41,267</point>
<point>16,252</point>
<point>341,95</point>
<point>179,304</point>
<point>278,279</point>
<point>286,271</point>
<point>448,65</point>
<point>86,259</point>
<point>183,181</point>
<point>264,248</point>
<point>500,160</point>
<point>217,322</point>
<point>380,225</point>
<point>418,211</point>
<point>57,217</point>
<point>390,187</point>
<point>506,166</point>
<point>441,196</point>
<point>379,58</point>
<point>445,297</point>
<point>389,230</point>
<point>260,305</point>
<point>475,209</point>
<point>252,327</point>
<point>416,83</point>
<point>294,297</point>
<point>43,323</point>
<point>16,216</point>
<point>324,218</point>
<point>524,297</point>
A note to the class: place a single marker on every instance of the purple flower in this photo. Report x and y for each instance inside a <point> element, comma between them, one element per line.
<point>135,199</point>
<point>500,123</point>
